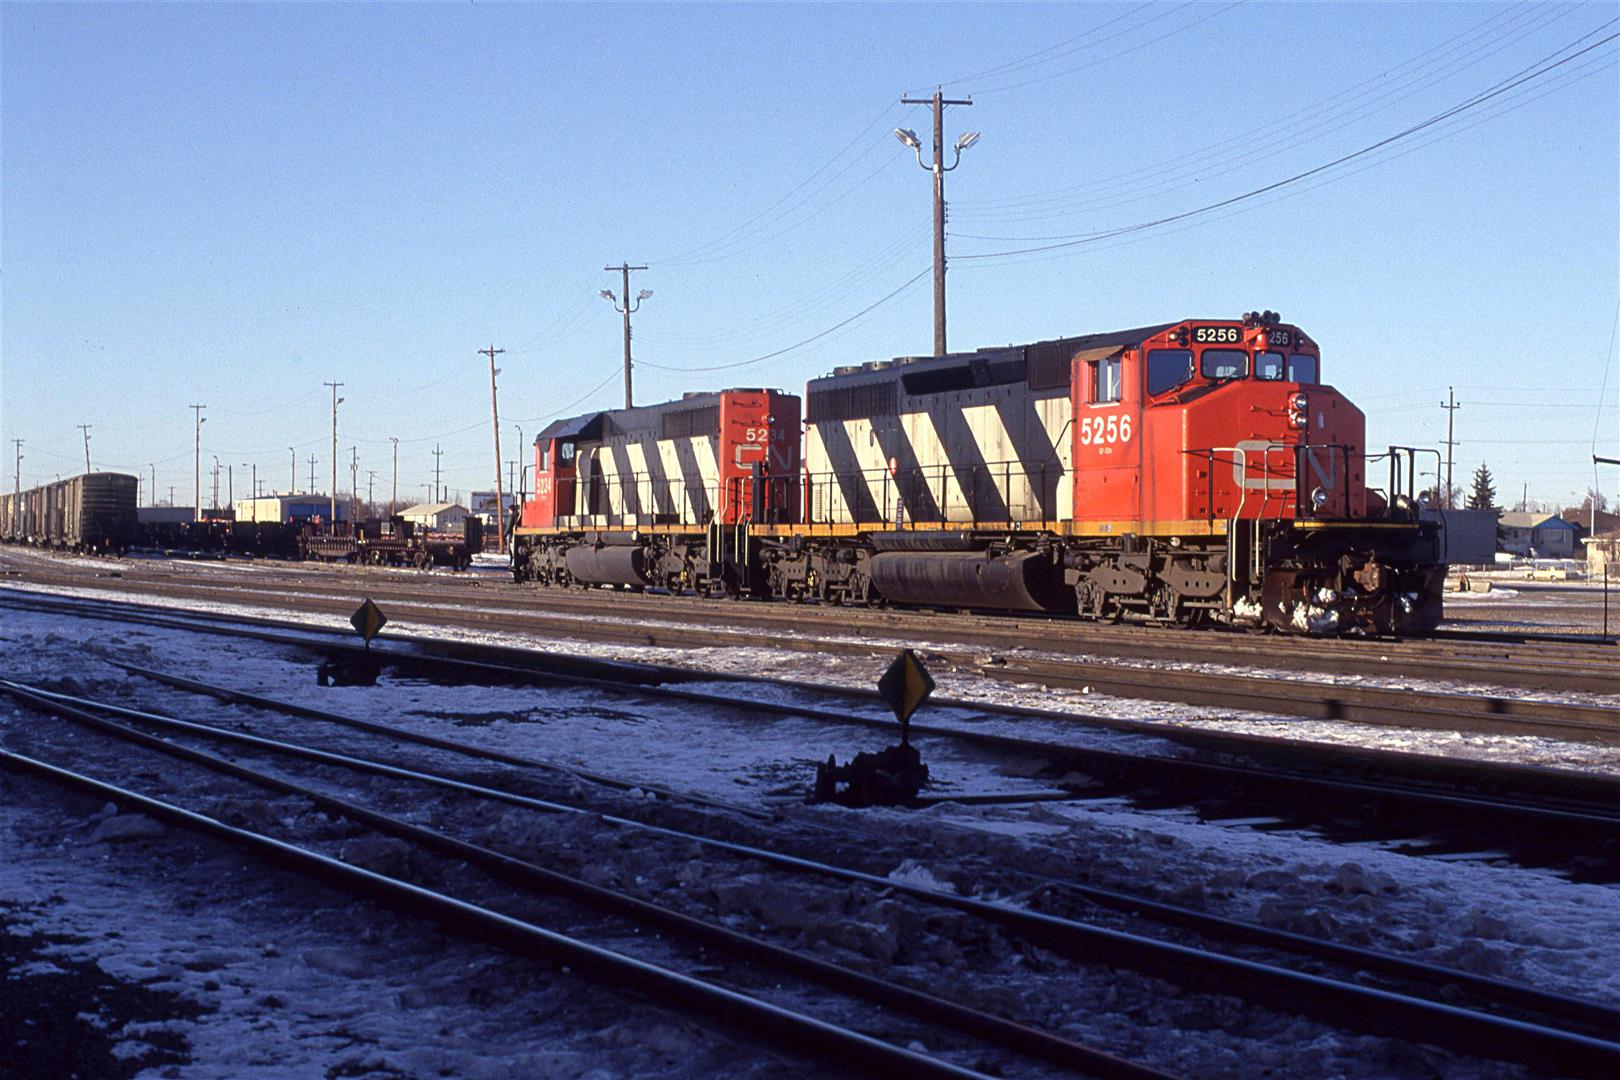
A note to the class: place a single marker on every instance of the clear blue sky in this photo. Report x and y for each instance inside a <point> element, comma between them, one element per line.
<point>234,204</point>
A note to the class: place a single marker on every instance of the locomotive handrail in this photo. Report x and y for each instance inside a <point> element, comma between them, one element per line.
<point>921,495</point>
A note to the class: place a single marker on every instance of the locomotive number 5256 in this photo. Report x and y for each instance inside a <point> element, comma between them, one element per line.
<point>1097,430</point>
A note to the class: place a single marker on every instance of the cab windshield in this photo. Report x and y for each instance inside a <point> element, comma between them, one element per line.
<point>1224,363</point>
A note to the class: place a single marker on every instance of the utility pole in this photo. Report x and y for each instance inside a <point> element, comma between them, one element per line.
<point>153,466</point>
<point>495,414</point>
<point>354,483</point>
<point>214,505</point>
<point>86,429</point>
<point>16,504</point>
<point>438,489</point>
<point>939,170</point>
<point>371,477</point>
<point>522,465</point>
<point>312,460</point>
<point>1451,406</point>
<point>196,465</point>
<point>255,467</point>
<point>171,494</point>
<point>630,308</point>
<point>292,477</point>
<point>393,500</point>
<point>336,401</point>
<point>230,487</point>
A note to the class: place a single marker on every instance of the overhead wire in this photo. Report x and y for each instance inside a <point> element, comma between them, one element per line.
<point>1541,68</point>
<point>809,340</point>
<point>1033,59</point>
<point>1503,27</point>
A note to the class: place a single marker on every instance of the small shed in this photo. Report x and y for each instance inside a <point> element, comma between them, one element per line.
<point>436,517</point>
<point>1544,536</point>
<point>1602,555</point>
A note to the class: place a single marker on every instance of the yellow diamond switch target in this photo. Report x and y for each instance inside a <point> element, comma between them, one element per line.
<point>905,685</point>
<point>368,619</point>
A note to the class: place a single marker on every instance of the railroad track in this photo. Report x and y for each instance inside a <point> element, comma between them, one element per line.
<point>1514,1023</point>
<point>1413,804</point>
<point>1267,694</point>
<point>1550,664</point>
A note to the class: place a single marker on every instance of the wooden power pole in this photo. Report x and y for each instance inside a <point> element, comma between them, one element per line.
<point>495,413</point>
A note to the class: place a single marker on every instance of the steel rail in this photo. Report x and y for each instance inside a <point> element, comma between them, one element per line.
<point>1377,1011</point>
<point>1012,631</point>
<point>796,1032</point>
<point>1268,777</point>
<point>1111,760</point>
<point>1600,1017</point>
<point>393,732</point>
<point>532,665</point>
<point>1438,710</point>
<point>1020,1038</point>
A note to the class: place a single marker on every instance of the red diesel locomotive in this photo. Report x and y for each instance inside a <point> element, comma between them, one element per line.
<point>1187,472</point>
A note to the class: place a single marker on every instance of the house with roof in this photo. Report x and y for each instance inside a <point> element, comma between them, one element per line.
<point>436,517</point>
<point>1542,536</point>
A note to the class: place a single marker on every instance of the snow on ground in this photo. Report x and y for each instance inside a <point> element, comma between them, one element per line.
<point>862,672</point>
<point>280,973</point>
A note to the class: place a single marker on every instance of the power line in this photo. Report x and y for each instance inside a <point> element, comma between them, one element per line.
<point>1284,130</point>
<point>800,344</point>
<point>1061,243</point>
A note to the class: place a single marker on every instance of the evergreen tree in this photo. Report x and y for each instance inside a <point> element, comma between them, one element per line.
<point>1483,497</point>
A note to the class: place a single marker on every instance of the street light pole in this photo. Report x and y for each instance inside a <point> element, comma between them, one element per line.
<point>393,500</point>
<point>495,415</point>
<point>336,401</point>
<point>196,463</point>
<point>630,308</point>
<point>939,169</point>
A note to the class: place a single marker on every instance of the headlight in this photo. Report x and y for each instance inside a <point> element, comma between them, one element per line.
<point>1301,403</point>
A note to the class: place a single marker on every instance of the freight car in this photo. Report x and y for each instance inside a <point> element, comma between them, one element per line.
<point>92,513</point>
<point>390,542</point>
<point>1187,472</point>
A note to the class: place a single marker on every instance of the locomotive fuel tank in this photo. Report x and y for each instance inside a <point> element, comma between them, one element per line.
<point>612,560</point>
<point>1016,581</point>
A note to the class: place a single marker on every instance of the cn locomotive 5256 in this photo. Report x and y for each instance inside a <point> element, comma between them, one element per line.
<point>1188,472</point>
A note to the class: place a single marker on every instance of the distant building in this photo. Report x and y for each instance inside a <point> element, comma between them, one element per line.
<point>289,508</point>
<point>1602,553</point>
<point>436,517</point>
<point>1547,536</point>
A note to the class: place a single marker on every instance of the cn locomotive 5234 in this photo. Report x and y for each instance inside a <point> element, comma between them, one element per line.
<point>1188,472</point>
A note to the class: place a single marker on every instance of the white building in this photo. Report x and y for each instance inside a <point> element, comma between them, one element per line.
<point>290,508</point>
<point>436,517</point>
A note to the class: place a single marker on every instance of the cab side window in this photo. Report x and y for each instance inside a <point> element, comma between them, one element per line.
<point>1168,369</point>
<point>1105,380</point>
<point>545,459</point>
<point>1302,368</point>
<point>565,453</point>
